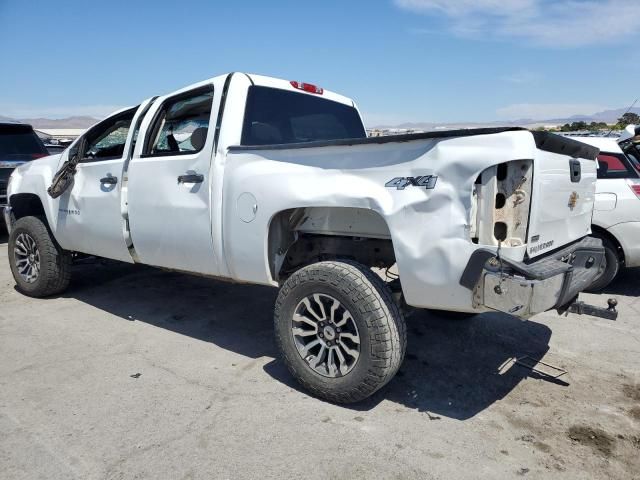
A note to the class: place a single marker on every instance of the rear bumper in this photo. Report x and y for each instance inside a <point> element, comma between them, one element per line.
<point>526,289</point>
<point>628,235</point>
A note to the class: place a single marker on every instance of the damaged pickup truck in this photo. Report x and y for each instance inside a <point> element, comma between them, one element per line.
<point>265,181</point>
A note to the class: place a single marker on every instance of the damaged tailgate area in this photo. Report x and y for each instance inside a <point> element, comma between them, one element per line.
<point>525,289</point>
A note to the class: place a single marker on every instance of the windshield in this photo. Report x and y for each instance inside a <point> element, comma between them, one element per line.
<point>19,142</point>
<point>275,116</point>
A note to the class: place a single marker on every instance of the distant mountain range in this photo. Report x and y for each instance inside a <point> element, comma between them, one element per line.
<point>608,116</point>
<point>69,122</point>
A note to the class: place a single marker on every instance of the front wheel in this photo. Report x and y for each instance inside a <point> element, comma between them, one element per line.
<point>40,267</point>
<point>339,331</point>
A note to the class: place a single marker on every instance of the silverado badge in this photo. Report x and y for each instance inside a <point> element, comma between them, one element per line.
<point>573,200</point>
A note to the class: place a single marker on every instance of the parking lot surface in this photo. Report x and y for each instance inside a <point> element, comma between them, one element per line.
<point>137,373</point>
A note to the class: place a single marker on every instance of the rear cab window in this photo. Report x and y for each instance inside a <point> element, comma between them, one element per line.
<point>274,116</point>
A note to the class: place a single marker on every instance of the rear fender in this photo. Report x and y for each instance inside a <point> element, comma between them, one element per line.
<point>428,220</point>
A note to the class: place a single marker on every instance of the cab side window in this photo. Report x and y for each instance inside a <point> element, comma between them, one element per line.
<point>106,140</point>
<point>613,165</point>
<point>181,125</point>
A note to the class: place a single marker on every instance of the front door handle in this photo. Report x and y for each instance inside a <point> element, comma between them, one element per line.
<point>109,180</point>
<point>191,178</point>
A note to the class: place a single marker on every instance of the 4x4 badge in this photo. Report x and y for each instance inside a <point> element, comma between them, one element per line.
<point>400,183</point>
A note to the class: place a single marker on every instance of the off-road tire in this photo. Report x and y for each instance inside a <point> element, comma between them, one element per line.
<point>55,263</point>
<point>378,318</point>
<point>612,268</point>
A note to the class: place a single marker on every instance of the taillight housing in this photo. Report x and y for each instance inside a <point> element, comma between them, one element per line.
<point>307,87</point>
<point>635,186</point>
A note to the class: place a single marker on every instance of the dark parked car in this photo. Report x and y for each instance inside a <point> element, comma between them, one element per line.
<point>18,144</point>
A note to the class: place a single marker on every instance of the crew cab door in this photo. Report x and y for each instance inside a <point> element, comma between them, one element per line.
<point>168,189</point>
<point>89,212</point>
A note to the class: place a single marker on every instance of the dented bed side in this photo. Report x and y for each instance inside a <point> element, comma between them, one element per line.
<point>434,231</point>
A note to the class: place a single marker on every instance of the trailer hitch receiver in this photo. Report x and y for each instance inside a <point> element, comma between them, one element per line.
<point>581,308</point>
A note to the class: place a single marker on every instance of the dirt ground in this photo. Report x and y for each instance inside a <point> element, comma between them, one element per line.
<point>140,373</point>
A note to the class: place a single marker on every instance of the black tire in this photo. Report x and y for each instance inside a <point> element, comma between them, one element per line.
<point>377,317</point>
<point>612,267</point>
<point>55,263</point>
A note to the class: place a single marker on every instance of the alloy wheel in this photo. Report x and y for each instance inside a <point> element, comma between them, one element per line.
<point>27,257</point>
<point>326,335</point>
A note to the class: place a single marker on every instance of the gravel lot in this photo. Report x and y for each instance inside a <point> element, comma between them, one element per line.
<point>140,373</point>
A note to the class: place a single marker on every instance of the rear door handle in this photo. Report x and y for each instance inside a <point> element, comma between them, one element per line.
<point>109,180</point>
<point>191,178</point>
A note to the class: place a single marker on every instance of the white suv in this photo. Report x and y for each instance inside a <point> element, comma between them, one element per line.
<point>616,216</point>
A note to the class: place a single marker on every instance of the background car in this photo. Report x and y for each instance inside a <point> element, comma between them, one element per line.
<point>55,149</point>
<point>616,217</point>
<point>18,144</point>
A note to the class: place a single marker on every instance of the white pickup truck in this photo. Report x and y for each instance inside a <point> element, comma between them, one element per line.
<point>258,180</point>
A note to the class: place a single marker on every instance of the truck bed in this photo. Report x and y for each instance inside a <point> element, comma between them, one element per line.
<point>544,141</point>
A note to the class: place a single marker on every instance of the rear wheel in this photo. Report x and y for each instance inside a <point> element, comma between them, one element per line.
<point>40,267</point>
<point>612,266</point>
<point>339,331</point>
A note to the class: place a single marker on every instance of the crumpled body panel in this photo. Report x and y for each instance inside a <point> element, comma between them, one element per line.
<point>429,227</point>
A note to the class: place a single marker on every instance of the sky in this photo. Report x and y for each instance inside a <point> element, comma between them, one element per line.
<point>401,60</point>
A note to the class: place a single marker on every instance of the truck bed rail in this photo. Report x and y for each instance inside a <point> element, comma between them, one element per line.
<point>544,141</point>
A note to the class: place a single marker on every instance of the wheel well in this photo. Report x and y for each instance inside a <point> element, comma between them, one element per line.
<point>603,233</point>
<point>301,236</point>
<point>26,204</point>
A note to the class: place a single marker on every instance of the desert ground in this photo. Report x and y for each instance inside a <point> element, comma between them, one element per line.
<point>137,372</point>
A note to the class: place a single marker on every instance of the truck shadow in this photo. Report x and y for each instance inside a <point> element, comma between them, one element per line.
<point>452,367</point>
<point>457,368</point>
<point>627,283</point>
<point>3,234</point>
